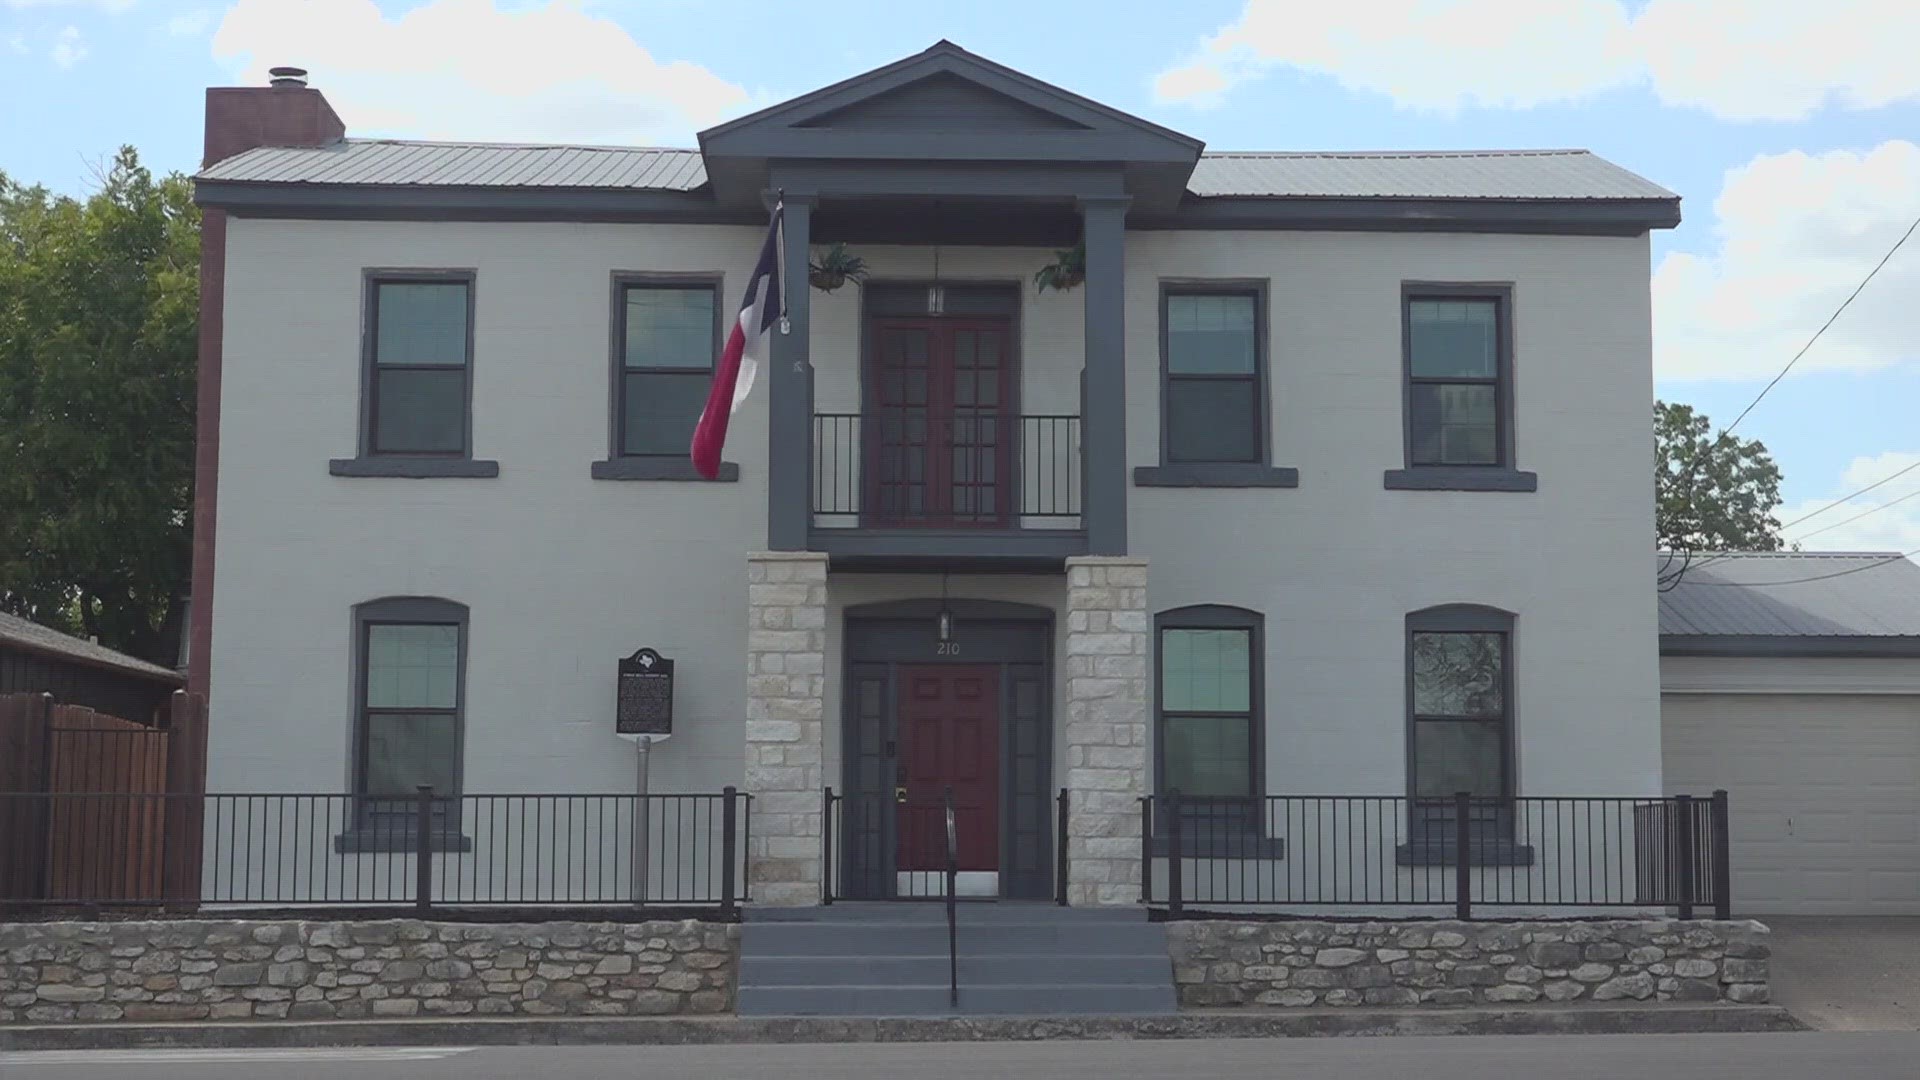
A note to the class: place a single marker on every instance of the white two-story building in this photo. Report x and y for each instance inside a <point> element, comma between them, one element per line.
<point>1280,499</point>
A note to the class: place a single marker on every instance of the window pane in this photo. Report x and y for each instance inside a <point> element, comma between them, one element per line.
<point>662,409</point>
<point>405,750</point>
<point>1454,338</point>
<point>1212,420</point>
<point>421,322</point>
<point>1206,670</point>
<point>419,412</point>
<point>1454,424</point>
<point>670,328</point>
<point>1210,335</point>
<point>1458,674</point>
<point>413,667</point>
<point>1207,755</point>
<point>1458,755</point>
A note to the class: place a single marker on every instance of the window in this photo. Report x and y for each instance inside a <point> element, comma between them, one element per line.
<point>409,701</point>
<point>668,337</point>
<point>1213,388</point>
<point>1209,689</point>
<point>1460,719</point>
<point>1212,396</point>
<point>1459,389</point>
<point>422,352</point>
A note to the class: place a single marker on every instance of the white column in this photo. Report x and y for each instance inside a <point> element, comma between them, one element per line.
<point>1107,737</point>
<point>786,713</point>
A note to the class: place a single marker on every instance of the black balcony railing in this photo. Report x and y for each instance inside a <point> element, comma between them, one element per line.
<point>424,851</point>
<point>1395,851</point>
<point>973,469</point>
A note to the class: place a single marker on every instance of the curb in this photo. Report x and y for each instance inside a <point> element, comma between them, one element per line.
<point>686,1031</point>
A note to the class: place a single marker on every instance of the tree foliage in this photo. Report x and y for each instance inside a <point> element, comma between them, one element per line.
<point>1713,492</point>
<point>99,302</point>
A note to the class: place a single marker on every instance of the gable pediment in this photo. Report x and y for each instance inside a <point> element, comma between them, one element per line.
<point>944,105</point>
<point>943,101</point>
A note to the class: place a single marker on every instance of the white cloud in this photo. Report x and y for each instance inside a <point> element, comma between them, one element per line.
<point>465,69</point>
<point>69,48</point>
<point>1794,234</point>
<point>1738,59</point>
<point>1895,528</point>
<point>15,42</point>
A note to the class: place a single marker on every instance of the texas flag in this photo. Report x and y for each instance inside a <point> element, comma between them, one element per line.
<point>761,309</point>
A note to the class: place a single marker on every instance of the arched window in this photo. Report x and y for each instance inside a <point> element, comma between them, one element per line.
<point>1460,701</point>
<point>1210,701</point>
<point>409,687</point>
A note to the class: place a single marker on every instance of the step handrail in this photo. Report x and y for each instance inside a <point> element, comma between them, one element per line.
<point>953,873</point>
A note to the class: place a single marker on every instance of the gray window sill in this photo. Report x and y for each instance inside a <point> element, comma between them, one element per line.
<point>1216,845</point>
<point>1461,478</point>
<point>1493,853</point>
<point>419,468</point>
<point>1216,475</point>
<point>660,468</point>
<point>373,840</point>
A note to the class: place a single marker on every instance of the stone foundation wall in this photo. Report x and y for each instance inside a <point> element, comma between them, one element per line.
<point>1302,964</point>
<point>182,970</point>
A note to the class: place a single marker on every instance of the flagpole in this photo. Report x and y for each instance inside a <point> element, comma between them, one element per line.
<point>780,242</point>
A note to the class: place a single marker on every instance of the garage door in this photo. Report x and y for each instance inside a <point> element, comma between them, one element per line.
<point>1824,794</point>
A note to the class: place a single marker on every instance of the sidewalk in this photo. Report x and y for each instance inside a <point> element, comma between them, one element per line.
<point>672,1031</point>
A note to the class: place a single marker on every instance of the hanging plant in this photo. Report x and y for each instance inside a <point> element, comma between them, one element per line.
<point>835,267</point>
<point>1066,271</point>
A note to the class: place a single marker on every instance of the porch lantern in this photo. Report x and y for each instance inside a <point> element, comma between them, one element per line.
<point>944,621</point>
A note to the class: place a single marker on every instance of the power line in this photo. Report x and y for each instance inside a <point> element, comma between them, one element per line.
<point>1850,498</point>
<point>1857,517</point>
<point>1818,577</point>
<point>1858,289</point>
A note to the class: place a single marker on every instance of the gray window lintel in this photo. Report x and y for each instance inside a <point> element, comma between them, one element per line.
<point>659,467</point>
<point>1460,478</point>
<point>1216,475</point>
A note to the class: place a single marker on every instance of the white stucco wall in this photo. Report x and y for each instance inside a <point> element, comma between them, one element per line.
<point>563,574</point>
<point>1336,564</point>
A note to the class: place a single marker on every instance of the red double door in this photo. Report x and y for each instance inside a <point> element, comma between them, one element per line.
<point>949,737</point>
<point>940,422</point>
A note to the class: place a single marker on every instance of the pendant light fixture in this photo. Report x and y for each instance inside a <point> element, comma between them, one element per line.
<point>944,621</point>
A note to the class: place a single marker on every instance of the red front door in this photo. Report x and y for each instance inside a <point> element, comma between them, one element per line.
<point>949,736</point>
<point>940,422</point>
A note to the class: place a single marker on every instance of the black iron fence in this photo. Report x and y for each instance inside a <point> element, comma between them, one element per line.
<point>877,846</point>
<point>975,468</point>
<point>289,850</point>
<point>1394,851</point>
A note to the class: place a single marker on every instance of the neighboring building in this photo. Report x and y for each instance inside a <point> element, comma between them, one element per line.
<point>1332,477</point>
<point>37,660</point>
<point>1792,679</point>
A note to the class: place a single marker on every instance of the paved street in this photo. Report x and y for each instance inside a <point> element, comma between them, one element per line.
<point>1855,1056</point>
<point>1848,974</point>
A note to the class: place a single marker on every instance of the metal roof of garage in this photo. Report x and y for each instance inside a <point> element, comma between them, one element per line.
<point>1865,600</point>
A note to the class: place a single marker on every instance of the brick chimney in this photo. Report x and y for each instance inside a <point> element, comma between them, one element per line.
<point>285,113</point>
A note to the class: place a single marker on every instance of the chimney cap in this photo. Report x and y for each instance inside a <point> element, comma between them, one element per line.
<point>287,76</point>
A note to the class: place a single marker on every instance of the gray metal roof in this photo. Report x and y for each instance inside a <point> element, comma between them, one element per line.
<point>1500,174</point>
<point>1801,594</point>
<point>33,637</point>
<point>1478,174</point>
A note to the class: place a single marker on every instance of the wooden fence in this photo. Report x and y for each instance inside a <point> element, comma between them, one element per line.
<point>77,845</point>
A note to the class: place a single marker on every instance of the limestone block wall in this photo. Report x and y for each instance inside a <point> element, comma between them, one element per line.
<point>786,714</point>
<point>273,970</point>
<point>1107,742</point>
<point>1302,964</point>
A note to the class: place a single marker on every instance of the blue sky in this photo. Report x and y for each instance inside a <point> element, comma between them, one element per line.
<point>1787,127</point>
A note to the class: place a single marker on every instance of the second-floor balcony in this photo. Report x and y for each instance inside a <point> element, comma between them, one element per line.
<point>900,484</point>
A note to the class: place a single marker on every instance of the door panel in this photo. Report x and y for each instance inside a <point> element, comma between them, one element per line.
<point>940,430</point>
<point>950,735</point>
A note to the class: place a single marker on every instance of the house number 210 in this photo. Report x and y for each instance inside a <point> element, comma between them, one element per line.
<point>946,648</point>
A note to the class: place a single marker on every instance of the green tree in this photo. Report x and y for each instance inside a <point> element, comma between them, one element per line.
<point>1713,492</point>
<point>99,301</point>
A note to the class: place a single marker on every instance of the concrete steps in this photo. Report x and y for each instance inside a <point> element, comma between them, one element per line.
<point>1014,960</point>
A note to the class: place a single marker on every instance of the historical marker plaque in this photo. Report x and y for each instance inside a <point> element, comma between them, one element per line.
<point>646,695</point>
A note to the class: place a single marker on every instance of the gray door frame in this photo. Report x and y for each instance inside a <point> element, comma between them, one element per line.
<point>1016,638</point>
